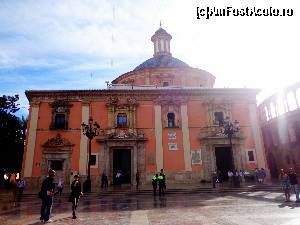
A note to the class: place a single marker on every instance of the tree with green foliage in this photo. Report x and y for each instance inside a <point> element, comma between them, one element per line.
<point>12,134</point>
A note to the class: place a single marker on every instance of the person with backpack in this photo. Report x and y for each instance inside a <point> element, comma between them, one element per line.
<point>46,194</point>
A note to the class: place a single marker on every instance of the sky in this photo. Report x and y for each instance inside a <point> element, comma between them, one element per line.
<point>80,44</point>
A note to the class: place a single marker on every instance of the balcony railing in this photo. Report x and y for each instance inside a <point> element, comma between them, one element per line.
<point>122,134</point>
<point>217,132</point>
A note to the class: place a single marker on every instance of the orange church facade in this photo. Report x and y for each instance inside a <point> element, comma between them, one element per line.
<point>163,114</point>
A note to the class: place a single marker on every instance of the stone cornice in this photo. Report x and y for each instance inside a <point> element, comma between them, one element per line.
<point>148,94</point>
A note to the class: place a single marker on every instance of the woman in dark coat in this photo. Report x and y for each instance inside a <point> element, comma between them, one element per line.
<point>75,194</point>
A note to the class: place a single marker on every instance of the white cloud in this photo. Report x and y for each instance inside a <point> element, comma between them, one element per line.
<point>74,36</point>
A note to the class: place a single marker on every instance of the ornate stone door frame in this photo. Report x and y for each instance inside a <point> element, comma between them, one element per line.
<point>208,146</point>
<point>58,148</point>
<point>133,162</point>
<point>137,156</point>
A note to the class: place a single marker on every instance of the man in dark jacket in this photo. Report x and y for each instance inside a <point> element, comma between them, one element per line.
<point>294,183</point>
<point>75,194</point>
<point>47,193</point>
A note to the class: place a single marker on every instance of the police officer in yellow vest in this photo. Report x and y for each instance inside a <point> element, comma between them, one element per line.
<point>161,184</point>
<point>154,183</point>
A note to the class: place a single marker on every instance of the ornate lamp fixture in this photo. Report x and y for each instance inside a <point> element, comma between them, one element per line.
<point>229,129</point>
<point>90,130</point>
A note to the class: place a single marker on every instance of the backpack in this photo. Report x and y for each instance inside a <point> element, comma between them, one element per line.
<point>42,192</point>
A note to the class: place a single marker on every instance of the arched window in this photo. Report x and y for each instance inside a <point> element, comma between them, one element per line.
<point>60,121</point>
<point>273,110</point>
<point>291,101</point>
<point>122,120</point>
<point>219,118</point>
<point>280,106</point>
<point>266,113</point>
<point>298,96</point>
<point>171,119</point>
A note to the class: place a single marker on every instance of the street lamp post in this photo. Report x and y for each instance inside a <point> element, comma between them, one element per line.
<point>229,129</point>
<point>90,130</point>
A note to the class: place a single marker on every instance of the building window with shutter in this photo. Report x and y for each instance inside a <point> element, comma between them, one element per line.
<point>60,121</point>
<point>171,120</point>
<point>122,120</point>
<point>218,118</point>
<point>250,155</point>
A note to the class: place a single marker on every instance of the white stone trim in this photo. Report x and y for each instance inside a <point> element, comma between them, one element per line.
<point>158,138</point>
<point>31,141</point>
<point>186,138</point>
<point>257,136</point>
<point>83,143</point>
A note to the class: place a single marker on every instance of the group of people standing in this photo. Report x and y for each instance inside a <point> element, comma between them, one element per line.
<point>160,181</point>
<point>48,191</point>
<point>15,185</point>
<point>289,181</point>
<point>260,175</point>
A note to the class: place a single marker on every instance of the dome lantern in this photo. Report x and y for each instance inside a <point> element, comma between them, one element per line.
<point>161,41</point>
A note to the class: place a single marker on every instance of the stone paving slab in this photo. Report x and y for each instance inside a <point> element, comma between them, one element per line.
<point>245,208</point>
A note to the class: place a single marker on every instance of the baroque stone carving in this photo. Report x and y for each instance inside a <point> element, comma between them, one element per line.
<point>132,100</point>
<point>112,100</point>
<point>57,141</point>
<point>123,134</point>
<point>61,106</point>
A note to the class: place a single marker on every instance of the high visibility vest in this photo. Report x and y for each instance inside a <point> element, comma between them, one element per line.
<point>160,178</point>
<point>154,178</point>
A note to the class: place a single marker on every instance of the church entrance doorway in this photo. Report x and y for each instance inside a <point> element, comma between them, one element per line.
<point>122,164</point>
<point>224,161</point>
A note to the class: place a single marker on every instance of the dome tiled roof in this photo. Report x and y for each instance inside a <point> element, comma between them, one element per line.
<point>161,61</point>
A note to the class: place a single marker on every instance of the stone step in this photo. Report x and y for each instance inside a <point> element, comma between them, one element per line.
<point>273,188</point>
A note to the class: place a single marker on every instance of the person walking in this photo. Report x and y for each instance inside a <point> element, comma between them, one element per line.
<point>104,181</point>
<point>21,185</point>
<point>14,188</point>
<point>294,183</point>
<point>137,179</point>
<point>285,184</point>
<point>214,179</point>
<point>46,194</point>
<point>230,178</point>
<point>75,194</point>
<point>60,186</point>
<point>154,183</point>
<point>263,175</point>
<point>242,177</point>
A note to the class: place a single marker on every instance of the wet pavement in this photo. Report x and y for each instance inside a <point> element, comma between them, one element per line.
<point>240,207</point>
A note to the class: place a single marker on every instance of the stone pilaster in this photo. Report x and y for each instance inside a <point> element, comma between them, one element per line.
<point>83,141</point>
<point>186,138</point>
<point>259,148</point>
<point>31,140</point>
<point>158,138</point>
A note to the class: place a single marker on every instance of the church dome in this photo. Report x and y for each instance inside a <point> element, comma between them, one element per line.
<point>161,61</point>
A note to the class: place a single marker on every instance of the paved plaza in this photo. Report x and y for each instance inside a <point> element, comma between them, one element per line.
<point>216,208</point>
